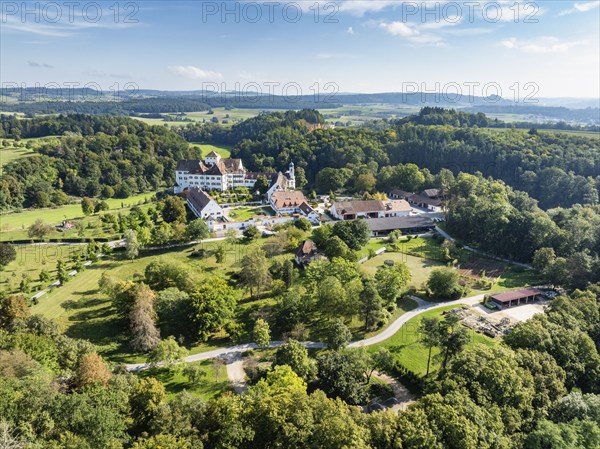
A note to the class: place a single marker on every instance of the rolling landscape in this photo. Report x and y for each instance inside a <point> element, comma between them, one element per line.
<point>265,241</point>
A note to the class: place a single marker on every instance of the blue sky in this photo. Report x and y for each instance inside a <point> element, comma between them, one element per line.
<point>545,48</point>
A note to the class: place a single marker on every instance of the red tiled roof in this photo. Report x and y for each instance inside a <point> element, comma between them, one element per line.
<point>284,199</point>
<point>307,247</point>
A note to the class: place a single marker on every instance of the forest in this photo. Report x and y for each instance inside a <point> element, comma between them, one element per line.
<point>538,389</point>
<point>129,105</point>
<point>533,189</point>
<point>96,156</point>
<point>554,168</point>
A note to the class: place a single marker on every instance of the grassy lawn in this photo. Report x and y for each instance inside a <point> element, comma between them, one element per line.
<point>422,255</point>
<point>413,355</point>
<point>374,244</point>
<point>30,261</point>
<point>83,311</point>
<point>419,267</point>
<point>16,150</point>
<point>211,385</point>
<point>426,248</point>
<point>10,154</point>
<point>222,151</point>
<point>243,213</point>
<point>14,225</point>
<point>513,278</point>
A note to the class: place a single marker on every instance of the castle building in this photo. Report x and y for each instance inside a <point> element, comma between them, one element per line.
<point>217,173</point>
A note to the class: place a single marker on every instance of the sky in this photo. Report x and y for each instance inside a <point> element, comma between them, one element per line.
<point>515,49</point>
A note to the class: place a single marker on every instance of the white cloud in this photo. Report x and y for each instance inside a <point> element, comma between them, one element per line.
<point>580,7</point>
<point>546,44</point>
<point>428,39</point>
<point>477,31</point>
<point>63,28</point>
<point>350,30</point>
<point>39,65</point>
<point>399,29</point>
<point>423,34</point>
<point>446,22</point>
<point>586,6</point>
<point>194,73</point>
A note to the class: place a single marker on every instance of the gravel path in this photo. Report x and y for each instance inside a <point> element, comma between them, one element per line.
<point>234,360</point>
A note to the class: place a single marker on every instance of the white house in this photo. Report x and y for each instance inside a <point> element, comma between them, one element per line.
<point>217,173</point>
<point>350,210</point>
<point>202,205</point>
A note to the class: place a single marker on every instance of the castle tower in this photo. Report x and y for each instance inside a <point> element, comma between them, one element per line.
<point>212,158</point>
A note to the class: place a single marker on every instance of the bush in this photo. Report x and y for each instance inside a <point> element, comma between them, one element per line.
<point>411,380</point>
<point>254,371</point>
<point>381,391</point>
<point>200,253</point>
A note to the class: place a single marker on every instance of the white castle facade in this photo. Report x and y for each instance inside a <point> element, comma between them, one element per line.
<point>217,173</point>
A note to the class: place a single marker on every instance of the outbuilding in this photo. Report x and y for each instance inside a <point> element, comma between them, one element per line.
<point>516,297</point>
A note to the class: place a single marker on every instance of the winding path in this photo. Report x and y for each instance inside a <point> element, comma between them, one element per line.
<point>233,354</point>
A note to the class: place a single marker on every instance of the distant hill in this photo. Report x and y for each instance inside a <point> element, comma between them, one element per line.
<point>144,101</point>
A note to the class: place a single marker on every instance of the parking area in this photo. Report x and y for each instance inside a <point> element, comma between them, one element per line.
<point>524,312</point>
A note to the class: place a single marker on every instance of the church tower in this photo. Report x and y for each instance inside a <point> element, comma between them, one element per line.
<point>291,177</point>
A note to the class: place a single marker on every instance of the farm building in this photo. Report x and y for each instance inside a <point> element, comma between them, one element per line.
<point>408,225</point>
<point>350,210</point>
<point>428,199</point>
<point>516,297</point>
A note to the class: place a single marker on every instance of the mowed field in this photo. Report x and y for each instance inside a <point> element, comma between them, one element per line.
<point>359,114</point>
<point>224,116</point>
<point>17,150</point>
<point>9,154</point>
<point>422,255</point>
<point>407,349</point>
<point>13,225</point>
<point>419,267</point>
<point>222,150</point>
<point>85,312</point>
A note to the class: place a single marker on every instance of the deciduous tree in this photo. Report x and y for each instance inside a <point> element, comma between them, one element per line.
<point>91,370</point>
<point>212,305</point>
<point>261,333</point>
<point>7,254</point>
<point>173,210</point>
<point>132,246</point>
<point>142,320</point>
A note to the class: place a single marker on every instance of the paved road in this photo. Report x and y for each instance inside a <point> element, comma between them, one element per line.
<point>230,353</point>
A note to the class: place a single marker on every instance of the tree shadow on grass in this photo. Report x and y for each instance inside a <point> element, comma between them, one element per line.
<point>396,349</point>
<point>98,329</point>
<point>72,304</point>
<point>88,315</point>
